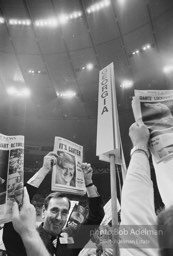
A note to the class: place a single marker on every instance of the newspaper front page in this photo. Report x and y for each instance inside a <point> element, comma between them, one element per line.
<point>155,109</point>
<point>11,174</point>
<point>67,175</point>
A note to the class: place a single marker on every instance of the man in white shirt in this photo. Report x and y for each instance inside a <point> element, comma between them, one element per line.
<point>137,233</point>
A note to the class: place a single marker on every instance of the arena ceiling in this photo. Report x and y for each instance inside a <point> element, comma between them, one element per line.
<point>46,45</point>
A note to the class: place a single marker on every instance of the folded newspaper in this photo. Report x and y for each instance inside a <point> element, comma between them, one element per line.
<point>11,174</point>
<point>154,108</point>
<point>77,216</point>
<point>67,175</point>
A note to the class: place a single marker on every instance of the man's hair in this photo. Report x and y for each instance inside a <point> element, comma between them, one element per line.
<point>165,226</point>
<point>55,195</point>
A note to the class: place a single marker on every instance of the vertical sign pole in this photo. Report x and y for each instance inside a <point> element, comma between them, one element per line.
<point>115,236</point>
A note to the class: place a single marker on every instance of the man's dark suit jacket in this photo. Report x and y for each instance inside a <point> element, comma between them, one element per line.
<point>14,245</point>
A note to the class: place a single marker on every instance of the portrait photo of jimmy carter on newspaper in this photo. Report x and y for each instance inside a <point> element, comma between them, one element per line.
<point>65,169</point>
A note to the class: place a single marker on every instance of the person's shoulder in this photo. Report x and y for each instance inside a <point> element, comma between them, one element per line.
<point>42,231</point>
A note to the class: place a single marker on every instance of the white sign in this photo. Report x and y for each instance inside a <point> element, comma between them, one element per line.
<point>108,135</point>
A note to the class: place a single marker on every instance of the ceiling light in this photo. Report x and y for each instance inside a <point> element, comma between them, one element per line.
<point>106,2</point>
<point>121,2</point>
<point>12,22</point>
<point>93,9</point>
<point>11,90</point>
<point>28,22</point>
<point>146,47</point>
<point>126,84</point>
<point>39,23</point>
<point>45,23</point>
<point>2,20</point>
<point>71,16</point>
<point>89,66</point>
<point>52,22</point>
<point>102,5</point>
<point>36,72</point>
<point>63,19</point>
<point>77,14</point>
<point>24,92</point>
<point>66,94</point>
<point>168,69</point>
<point>98,6</point>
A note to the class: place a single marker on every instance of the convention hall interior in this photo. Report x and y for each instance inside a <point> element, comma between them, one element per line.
<point>51,53</point>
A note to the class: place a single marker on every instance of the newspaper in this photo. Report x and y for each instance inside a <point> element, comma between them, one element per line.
<point>67,175</point>
<point>11,174</point>
<point>154,108</point>
<point>76,217</point>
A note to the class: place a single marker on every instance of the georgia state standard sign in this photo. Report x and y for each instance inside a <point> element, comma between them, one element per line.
<point>107,119</point>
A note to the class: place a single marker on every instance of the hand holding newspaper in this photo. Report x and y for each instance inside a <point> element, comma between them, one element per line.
<point>67,175</point>
<point>154,108</point>
<point>11,174</point>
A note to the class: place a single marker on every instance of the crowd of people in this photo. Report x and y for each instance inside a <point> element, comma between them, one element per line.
<point>141,231</point>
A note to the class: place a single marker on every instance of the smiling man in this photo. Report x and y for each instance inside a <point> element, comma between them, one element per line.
<point>55,212</point>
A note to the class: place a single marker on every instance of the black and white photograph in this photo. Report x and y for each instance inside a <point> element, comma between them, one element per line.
<point>15,176</point>
<point>157,115</point>
<point>4,156</point>
<point>66,169</point>
<point>86,114</point>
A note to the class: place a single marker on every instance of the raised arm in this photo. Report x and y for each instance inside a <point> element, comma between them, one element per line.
<point>49,160</point>
<point>24,222</point>
<point>137,208</point>
<point>96,212</point>
<point>138,188</point>
<point>10,236</point>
